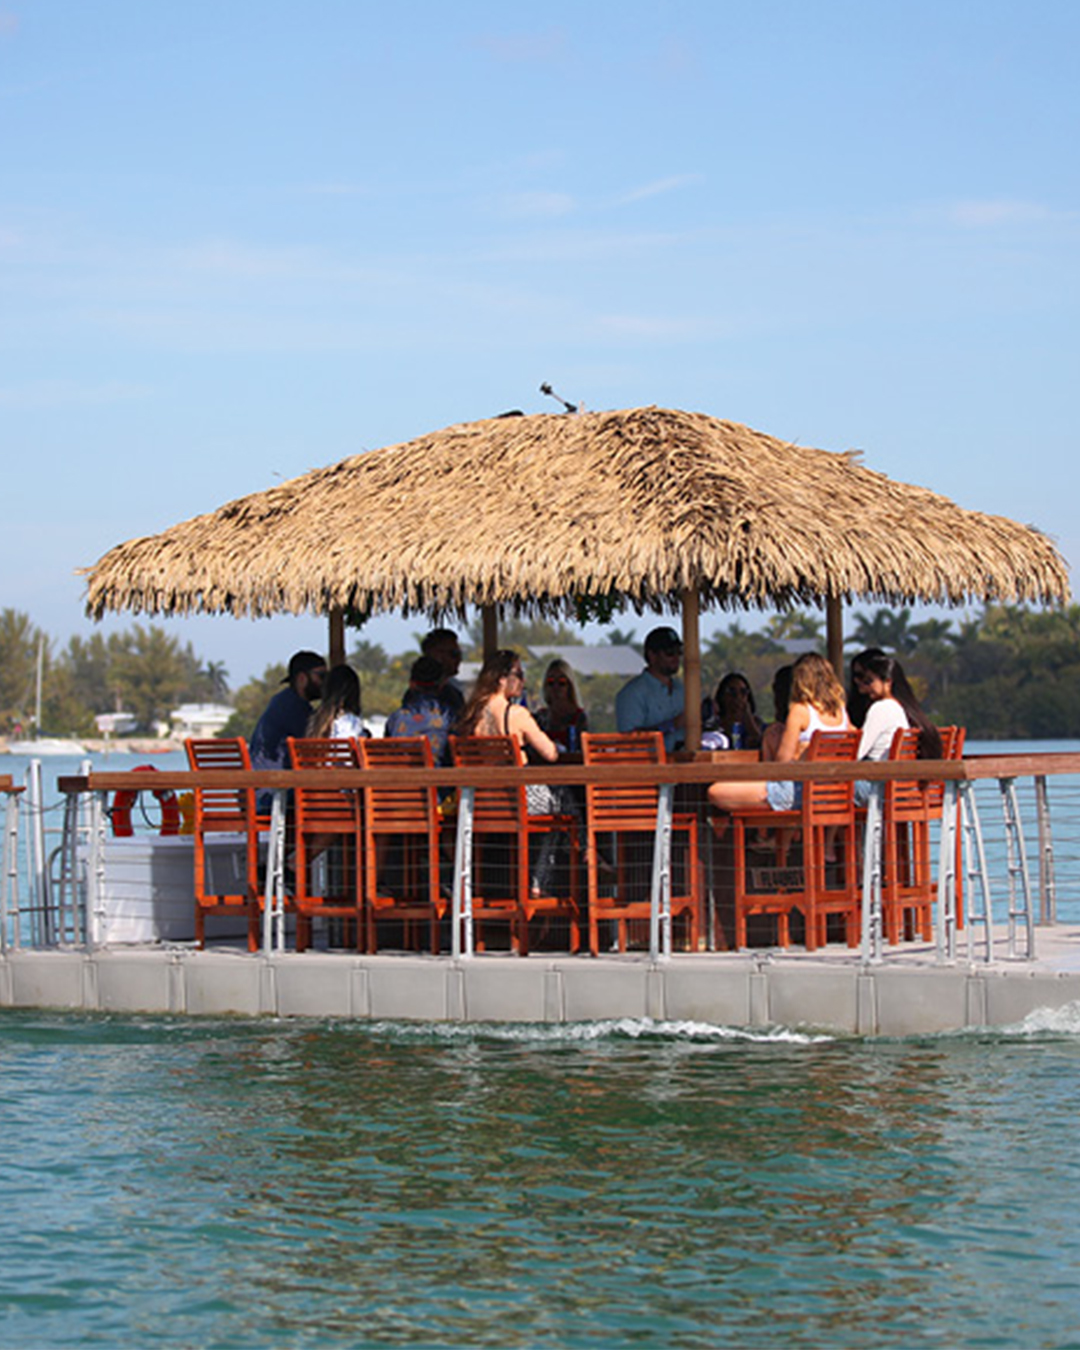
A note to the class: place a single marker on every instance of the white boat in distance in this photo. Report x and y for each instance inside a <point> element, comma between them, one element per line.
<point>46,745</point>
<point>43,745</point>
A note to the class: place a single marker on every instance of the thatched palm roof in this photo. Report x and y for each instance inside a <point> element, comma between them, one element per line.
<point>529,512</point>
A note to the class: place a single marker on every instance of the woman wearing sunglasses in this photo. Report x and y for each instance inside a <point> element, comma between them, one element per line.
<point>562,716</point>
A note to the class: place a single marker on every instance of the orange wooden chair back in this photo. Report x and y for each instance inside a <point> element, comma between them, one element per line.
<point>905,799</point>
<point>906,873</point>
<point>630,808</point>
<point>952,747</point>
<point>221,808</point>
<point>225,811</point>
<point>325,809</point>
<point>504,811</point>
<point>827,803</point>
<point>408,812</point>
<point>324,816</point>
<point>496,810</point>
<point>405,807</point>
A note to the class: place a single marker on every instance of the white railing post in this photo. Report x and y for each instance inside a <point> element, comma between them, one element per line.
<point>660,894</point>
<point>37,867</point>
<point>274,897</point>
<point>461,905</point>
<point>980,910</point>
<point>1047,881</point>
<point>871,882</point>
<point>946,888</point>
<point>1020,906</point>
<point>94,923</point>
<point>9,901</point>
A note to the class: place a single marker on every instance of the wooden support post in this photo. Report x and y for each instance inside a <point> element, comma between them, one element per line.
<point>490,617</point>
<point>337,637</point>
<point>691,612</point>
<point>834,633</point>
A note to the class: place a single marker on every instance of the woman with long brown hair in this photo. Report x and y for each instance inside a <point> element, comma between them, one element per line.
<point>491,711</point>
<point>817,704</point>
<point>338,714</point>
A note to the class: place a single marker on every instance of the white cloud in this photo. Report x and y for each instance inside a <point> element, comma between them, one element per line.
<point>529,205</point>
<point>659,187</point>
<point>337,190</point>
<point>243,260</point>
<point>64,393</point>
<point>652,327</point>
<point>984,214</point>
<point>525,47</point>
<point>587,246</point>
<point>247,262</point>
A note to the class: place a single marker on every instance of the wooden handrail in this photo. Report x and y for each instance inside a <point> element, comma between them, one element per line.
<point>966,770</point>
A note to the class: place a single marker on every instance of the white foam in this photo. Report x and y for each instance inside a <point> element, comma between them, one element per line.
<point>1063,1021</point>
<point>634,1028</point>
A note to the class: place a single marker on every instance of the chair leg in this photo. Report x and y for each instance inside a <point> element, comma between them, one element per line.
<point>593,894</point>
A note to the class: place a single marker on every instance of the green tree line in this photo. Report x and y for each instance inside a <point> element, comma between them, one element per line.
<point>144,671</point>
<point>1009,672</point>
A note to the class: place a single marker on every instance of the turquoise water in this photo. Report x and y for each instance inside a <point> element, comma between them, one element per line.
<point>225,1183</point>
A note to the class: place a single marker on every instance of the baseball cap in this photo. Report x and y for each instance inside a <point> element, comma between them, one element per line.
<point>663,640</point>
<point>301,662</point>
<point>427,672</point>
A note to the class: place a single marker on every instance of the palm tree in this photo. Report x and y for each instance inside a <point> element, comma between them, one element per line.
<point>795,624</point>
<point>621,637</point>
<point>369,657</point>
<point>216,675</point>
<point>887,629</point>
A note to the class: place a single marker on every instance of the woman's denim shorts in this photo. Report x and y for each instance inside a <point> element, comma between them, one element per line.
<point>784,796</point>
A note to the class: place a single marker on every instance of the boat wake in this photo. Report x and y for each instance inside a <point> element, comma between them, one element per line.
<point>619,1028</point>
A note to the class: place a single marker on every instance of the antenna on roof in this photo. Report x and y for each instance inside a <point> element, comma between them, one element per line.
<point>547,389</point>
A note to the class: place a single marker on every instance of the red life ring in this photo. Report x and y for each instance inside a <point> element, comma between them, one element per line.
<point>122,803</point>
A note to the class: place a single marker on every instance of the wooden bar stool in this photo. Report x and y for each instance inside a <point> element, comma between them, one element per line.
<point>826,808</point>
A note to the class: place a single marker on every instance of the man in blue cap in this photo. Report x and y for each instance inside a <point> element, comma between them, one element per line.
<point>653,700</point>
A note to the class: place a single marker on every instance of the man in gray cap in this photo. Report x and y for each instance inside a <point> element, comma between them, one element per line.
<point>653,700</point>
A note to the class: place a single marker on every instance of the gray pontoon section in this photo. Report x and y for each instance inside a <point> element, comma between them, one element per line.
<point>911,995</point>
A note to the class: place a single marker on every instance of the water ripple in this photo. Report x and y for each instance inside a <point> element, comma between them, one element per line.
<point>301,1184</point>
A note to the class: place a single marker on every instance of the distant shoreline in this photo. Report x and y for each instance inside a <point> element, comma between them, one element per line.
<point>124,745</point>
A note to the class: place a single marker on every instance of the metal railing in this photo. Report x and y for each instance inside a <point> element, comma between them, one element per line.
<point>67,907</point>
<point>38,904</point>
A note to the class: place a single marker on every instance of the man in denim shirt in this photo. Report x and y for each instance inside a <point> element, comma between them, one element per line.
<point>653,700</point>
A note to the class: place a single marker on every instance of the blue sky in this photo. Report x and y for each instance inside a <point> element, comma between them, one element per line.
<point>239,240</point>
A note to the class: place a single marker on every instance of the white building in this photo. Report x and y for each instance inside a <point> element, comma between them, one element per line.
<point>199,719</point>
